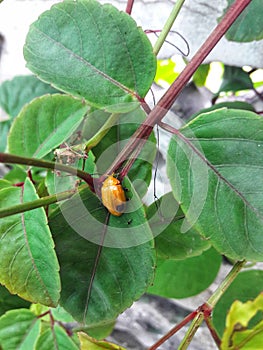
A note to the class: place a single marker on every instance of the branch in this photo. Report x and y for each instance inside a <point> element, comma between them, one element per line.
<point>38,203</point>
<point>165,103</point>
<point>13,159</point>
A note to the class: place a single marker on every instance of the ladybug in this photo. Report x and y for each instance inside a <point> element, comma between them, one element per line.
<point>113,196</point>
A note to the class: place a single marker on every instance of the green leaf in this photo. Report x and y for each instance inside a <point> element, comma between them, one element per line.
<point>44,124</point>
<point>4,184</point>
<point>125,265</point>
<point>166,73</point>
<point>201,74</point>
<point>227,104</point>
<point>91,51</point>
<point>29,266</point>
<point>246,286</point>
<point>55,339</point>
<point>238,332</point>
<point>15,93</point>
<point>235,79</point>
<point>19,329</point>
<point>4,128</point>
<point>16,174</point>
<point>88,343</point>
<point>184,278</point>
<point>9,301</point>
<point>165,218</point>
<point>216,172</point>
<point>248,26</point>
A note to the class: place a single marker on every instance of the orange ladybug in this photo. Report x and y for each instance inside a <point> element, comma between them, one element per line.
<point>113,196</point>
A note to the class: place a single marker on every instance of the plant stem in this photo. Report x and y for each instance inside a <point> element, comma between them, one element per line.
<point>173,330</point>
<point>211,302</point>
<point>102,132</point>
<point>165,103</point>
<point>13,159</point>
<point>41,202</point>
<point>191,331</point>
<point>168,25</point>
<point>213,331</point>
<point>129,6</point>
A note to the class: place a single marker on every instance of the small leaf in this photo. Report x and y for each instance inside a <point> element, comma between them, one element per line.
<point>19,329</point>
<point>88,343</point>
<point>165,219</point>
<point>9,301</point>
<point>15,93</point>
<point>29,266</point>
<point>238,332</point>
<point>98,45</point>
<point>44,124</point>
<point>201,74</point>
<point>248,26</point>
<point>235,79</point>
<point>55,339</point>
<point>125,266</point>
<point>246,286</point>
<point>166,73</point>
<point>216,173</point>
<point>185,278</point>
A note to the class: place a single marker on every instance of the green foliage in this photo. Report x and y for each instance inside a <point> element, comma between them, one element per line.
<point>185,278</point>
<point>98,46</point>
<point>79,265</point>
<point>235,79</point>
<point>248,26</point>
<point>220,173</point>
<point>44,124</point>
<point>238,332</point>
<point>246,286</point>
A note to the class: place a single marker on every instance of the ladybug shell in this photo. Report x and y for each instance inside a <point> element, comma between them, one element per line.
<point>113,196</point>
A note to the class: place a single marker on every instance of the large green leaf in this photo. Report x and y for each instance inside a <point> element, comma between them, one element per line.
<point>15,93</point>
<point>216,172</point>
<point>165,218</point>
<point>249,25</point>
<point>125,266</point>
<point>19,329</point>
<point>92,51</point>
<point>246,286</point>
<point>29,265</point>
<point>44,124</point>
<point>9,301</point>
<point>55,339</point>
<point>184,278</point>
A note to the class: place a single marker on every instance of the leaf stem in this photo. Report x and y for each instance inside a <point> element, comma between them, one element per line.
<point>41,202</point>
<point>173,330</point>
<point>102,132</point>
<point>210,304</point>
<point>168,25</point>
<point>212,301</point>
<point>14,159</point>
<point>165,103</point>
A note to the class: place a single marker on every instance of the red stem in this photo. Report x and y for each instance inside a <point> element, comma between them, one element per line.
<point>165,103</point>
<point>129,6</point>
<point>168,335</point>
